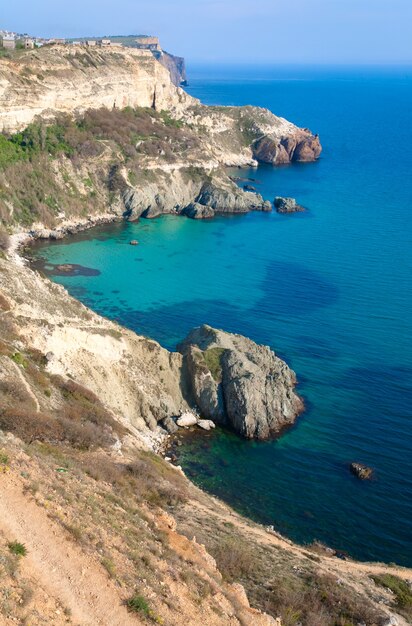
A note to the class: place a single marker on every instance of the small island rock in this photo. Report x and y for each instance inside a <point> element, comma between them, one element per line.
<point>287,205</point>
<point>240,384</point>
<point>361,471</point>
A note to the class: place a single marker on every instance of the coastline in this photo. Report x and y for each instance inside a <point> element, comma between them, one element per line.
<point>160,440</point>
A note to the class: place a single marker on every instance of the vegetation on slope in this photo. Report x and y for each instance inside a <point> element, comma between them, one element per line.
<point>67,165</point>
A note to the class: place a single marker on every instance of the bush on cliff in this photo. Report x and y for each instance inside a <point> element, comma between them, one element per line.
<point>39,187</point>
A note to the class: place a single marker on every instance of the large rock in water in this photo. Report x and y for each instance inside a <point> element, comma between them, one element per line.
<point>287,205</point>
<point>240,384</point>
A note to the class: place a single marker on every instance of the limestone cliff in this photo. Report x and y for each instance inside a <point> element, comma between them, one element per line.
<point>69,79</point>
<point>176,66</point>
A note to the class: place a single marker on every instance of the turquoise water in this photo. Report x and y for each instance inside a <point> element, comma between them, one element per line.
<point>329,290</point>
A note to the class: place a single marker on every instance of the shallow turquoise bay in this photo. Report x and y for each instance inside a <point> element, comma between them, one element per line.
<point>329,290</point>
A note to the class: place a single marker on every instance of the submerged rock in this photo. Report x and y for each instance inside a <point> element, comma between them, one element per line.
<point>186,419</point>
<point>287,205</point>
<point>361,471</point>
<point>238,383</point>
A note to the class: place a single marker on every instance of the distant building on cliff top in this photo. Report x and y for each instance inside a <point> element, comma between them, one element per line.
<point>148,43</point>
<point>8,42</point>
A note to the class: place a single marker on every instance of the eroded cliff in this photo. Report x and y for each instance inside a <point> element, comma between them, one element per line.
<point>68,79</point>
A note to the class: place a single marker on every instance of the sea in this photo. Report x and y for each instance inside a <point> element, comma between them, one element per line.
<point>329,290</point>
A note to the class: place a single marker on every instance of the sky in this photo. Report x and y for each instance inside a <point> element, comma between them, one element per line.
<point>229,31</point>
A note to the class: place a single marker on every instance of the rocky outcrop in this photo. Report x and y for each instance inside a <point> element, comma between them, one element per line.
<point>249,135</point>
<point>199,198</point>
<point>240,384</point>
<point>198,211</point>
<point>301,146</point>
<point>287,205</point>
<point>231,199</point>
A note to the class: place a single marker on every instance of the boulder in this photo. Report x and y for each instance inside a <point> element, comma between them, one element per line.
<point>186,419</point>
<point>170,425</point>
<point>287,205</point>
<point>361,471</point>
<point>206,424</point>
<point>198,211</point>
<point>240,384</point>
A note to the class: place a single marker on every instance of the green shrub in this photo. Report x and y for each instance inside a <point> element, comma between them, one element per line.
<point>138,604</point>
<point>4,459</point>
<point>16,548</point>
<point>400,588</point>
<point>213,361</point>
<point>20,359</point>
<point>10,152</point>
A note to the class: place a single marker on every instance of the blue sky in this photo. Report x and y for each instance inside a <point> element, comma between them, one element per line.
<point>264,31</point>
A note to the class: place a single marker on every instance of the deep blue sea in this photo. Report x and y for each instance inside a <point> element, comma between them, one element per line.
<point>329,290</point>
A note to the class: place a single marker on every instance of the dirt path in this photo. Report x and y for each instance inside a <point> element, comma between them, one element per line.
<point>60,567</point>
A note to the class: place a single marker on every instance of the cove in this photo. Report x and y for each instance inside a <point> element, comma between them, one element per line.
<point>328,290</point>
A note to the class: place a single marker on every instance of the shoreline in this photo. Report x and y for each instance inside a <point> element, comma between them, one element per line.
<point>158,441</point>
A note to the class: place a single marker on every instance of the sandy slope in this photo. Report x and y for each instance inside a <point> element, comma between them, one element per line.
<point>61,568</point>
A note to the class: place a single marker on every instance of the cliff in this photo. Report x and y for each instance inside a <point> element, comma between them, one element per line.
<point>64,79</point>
<point>176,66</point>
<point>73,79</point>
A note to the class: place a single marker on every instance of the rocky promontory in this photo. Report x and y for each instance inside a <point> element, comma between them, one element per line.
<point>301,146</point>
<point>238,383</point>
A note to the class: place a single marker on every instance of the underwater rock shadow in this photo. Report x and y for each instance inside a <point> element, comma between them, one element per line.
<point>291,289</point>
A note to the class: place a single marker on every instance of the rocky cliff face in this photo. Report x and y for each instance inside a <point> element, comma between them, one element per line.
<point>198,198</point>
<point>64,79</point>
<point>240,384</point>
<point>67,79</point>
<point>176,66</point>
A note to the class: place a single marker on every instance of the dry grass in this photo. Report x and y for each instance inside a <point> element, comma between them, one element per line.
<point>4,238</point>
